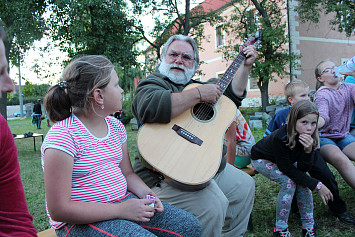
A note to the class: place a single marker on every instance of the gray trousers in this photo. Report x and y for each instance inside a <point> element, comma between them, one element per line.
<point>223,207</point>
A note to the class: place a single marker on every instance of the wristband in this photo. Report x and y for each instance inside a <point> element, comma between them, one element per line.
<point>199,94</point>
<point>319,185</point>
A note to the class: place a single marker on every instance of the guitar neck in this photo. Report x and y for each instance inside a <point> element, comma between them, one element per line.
<point>231,71</point>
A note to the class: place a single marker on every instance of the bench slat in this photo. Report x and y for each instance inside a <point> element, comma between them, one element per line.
<point>47,233</point>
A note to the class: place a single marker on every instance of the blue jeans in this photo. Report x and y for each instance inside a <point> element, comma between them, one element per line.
<point>37,118</point>
<point>339,142</point>
<point>172,222</point>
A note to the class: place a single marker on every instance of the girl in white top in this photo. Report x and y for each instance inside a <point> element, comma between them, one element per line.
<point>91,189</point>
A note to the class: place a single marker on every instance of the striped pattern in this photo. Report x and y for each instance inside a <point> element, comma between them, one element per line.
<point>97,176</point>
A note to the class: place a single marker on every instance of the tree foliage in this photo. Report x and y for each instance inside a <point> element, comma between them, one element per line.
<point>23,20</point>
<point>24,23</point>
<point>343,10</point>
<point>170,20</point>
<point>273,57</point>
<point>34,90</point>
<point>96,27</point>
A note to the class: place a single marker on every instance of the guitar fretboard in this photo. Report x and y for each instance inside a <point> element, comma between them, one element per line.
<point>229,74</point>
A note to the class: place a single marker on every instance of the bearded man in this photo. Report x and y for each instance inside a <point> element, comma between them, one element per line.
<point>224,204</point>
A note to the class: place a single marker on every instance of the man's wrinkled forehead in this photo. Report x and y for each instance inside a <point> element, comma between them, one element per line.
<point>181,47</point>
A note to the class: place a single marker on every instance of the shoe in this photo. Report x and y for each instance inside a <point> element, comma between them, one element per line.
<point>346,218</point>
<point>284,233</point>
<point>308,232</point>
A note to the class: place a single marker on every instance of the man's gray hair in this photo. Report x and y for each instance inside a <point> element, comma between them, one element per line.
<point>185,38</point>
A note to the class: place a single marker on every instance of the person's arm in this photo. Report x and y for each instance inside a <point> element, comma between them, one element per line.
<point>181,101</point>
<point>240,80</point>
<point>321,122</point>
<point>282,155</point>
<point>58,168</point>
<point>232,144</point>
<point>134,183</point>
<point>348,73</point>
<point>322,103</point>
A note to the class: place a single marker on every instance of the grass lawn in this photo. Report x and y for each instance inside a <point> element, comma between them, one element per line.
<point>263,214</point>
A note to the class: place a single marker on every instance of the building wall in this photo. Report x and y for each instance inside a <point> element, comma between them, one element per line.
<point>312,42</point>
<point>316,42</point>
<point>214,64</point>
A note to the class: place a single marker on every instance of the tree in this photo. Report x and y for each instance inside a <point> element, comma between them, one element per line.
<point>344,13</point>
<point>95,27</point>
<point>23,20</point>
<point>187,22</point>
<point>273,58</point>
<point>34,90</point>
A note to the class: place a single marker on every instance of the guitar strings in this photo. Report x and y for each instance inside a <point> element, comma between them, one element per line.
<point>205,109</point>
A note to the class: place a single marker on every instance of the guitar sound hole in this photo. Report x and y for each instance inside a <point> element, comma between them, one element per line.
<point>203,111</point>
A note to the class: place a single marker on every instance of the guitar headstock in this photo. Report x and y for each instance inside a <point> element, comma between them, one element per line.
<point>254,40</point>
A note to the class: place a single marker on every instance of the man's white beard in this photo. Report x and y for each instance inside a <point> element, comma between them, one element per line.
<point>176,76</point>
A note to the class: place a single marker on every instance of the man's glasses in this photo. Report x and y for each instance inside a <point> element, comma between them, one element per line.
<point>184,57</point>
<point>327,70</point>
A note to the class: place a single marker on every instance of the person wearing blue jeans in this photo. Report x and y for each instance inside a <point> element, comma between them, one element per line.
<point>37,110</point>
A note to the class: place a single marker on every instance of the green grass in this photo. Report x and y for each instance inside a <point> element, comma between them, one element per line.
<point>263,214</point>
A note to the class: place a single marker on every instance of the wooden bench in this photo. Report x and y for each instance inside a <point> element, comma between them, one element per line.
<point>34,135</point>
<point>249,170</point>
<point>47,233</point>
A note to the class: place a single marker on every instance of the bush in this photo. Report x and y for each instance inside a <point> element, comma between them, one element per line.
<point>127,114</point>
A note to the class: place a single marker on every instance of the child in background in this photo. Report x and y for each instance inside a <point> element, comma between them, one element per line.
<point>284,157</point>
<point>91,189</point>
<point>295,91</point>
<point>335,102</point>
<point>240,140</point>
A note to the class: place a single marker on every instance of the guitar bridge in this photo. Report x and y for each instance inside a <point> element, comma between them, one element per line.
<point>187,135</point>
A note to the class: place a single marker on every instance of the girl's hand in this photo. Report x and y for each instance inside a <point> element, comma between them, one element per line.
<point>325,194</point>
<point>137,210</point>
<point>158,206</point>
<point>307,141</point>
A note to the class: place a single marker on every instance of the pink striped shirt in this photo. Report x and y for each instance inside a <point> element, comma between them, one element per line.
<point>97,176</point>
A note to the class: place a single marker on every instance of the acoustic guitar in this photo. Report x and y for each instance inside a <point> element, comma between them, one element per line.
<point>189,148</point>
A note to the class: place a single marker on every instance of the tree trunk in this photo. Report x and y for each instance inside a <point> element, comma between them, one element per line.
<point>264,89</point>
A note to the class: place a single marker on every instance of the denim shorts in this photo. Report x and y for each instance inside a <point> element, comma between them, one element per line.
<point>339,142</point>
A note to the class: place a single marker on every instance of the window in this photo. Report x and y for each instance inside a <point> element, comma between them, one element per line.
<point>197,78</point>
<point>219,36</point>
<point>219,75</point>
<point>253,83</point>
